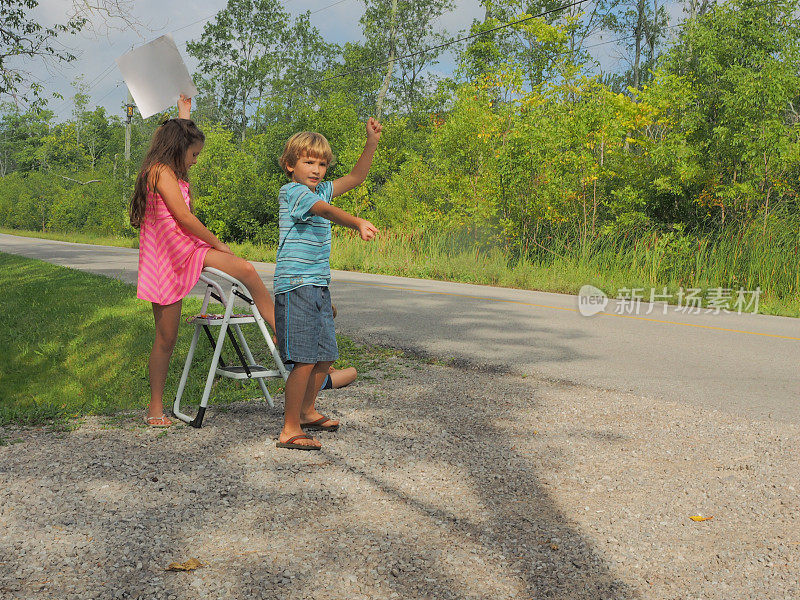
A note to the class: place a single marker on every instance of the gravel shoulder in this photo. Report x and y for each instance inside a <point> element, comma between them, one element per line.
<point>442,483</point>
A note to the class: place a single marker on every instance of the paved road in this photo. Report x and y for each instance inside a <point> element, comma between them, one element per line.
<point>745,363</point>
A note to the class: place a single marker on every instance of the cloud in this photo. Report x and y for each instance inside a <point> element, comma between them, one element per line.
<point>97,48</point>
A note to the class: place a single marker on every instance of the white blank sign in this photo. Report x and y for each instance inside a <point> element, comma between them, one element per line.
<point>156,75</point>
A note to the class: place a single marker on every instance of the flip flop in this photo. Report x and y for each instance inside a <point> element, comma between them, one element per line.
<point>290,443</point>
<point>318,425</point>
<point>161,422</point>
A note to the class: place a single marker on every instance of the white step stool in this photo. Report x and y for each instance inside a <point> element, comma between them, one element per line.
<point>248,369</point>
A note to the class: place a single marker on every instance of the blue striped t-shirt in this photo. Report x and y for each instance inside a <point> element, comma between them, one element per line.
<point>304,245</point>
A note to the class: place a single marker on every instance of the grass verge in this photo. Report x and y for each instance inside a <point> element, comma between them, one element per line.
<point>668,264</point>
<point>665,264</point>
<point>77,344</point>
<point>78,238</point>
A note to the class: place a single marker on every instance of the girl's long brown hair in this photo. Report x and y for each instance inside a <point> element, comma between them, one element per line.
<point>168,147</point>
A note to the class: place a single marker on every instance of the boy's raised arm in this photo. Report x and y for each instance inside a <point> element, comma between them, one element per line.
<point>359,173</point>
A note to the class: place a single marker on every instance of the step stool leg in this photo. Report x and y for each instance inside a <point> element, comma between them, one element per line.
<point>249,355</point>
<point>268,338</point>
<point>212,371</point>
<point>176,406</point>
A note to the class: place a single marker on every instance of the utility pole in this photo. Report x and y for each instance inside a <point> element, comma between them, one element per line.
<point>128,116</point>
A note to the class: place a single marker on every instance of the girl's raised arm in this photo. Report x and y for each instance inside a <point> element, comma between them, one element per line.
<point>184,107</point>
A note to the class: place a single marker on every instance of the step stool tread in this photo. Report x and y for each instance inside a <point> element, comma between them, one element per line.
<point>238,371</point>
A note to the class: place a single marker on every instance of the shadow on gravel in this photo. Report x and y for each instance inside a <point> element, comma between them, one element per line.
<point>107,511</point>
<point>521,529</point>
<point>391,506</point>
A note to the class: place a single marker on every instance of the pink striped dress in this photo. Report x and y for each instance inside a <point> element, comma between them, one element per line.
<point>170,259</point>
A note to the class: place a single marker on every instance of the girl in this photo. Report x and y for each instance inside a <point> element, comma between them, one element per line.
<point>174,245</point>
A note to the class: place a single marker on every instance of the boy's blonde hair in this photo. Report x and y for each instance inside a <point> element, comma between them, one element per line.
<point>306,143</point>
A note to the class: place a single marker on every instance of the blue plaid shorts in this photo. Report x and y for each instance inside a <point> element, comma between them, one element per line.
<point>304,325</point>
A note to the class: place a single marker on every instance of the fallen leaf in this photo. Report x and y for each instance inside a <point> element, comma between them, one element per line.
<point>189,565</point>
<point>700,518</point>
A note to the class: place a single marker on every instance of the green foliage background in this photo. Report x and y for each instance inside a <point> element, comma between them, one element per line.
<point>524,152</point>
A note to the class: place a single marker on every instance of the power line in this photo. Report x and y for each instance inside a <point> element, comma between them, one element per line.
<point>195,23</point>
<point>94,83</point>
<point>509,24</point>
<point>102,75</point>
<point>107,94</point>
<point>313,12</point>
<point>455,41</point>
<point>109,69</point>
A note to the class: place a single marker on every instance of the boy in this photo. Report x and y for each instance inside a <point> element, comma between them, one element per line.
<point>303,315</point>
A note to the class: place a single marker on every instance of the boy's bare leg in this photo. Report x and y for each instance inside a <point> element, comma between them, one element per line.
<point>294,396</point>
<point>308,412</point>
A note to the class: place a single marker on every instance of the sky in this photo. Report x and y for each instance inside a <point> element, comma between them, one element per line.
<point>337,20</point>
<point>98,46</point>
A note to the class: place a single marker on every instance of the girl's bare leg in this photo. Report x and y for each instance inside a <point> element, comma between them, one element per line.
<point>167,318</point>
<point>246,273</point>
<point>343,377</point>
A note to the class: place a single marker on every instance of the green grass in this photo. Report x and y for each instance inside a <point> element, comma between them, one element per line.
<point>77,344</point>
<point>80,238</point>
<point>745,259</point>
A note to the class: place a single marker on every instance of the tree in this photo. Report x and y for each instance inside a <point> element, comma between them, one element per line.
<point>60,149</point>
<point>350,80</point>
<point>545,48</point>
<point>409,33</point>
<point>645,25</point>
<point>106,14</point>
<point>251,51</point>
<point>80,101</point>
<point>235,192</point>
<point>22,134</point>
<point>23,37</point>
<point>390,67</point>
<point>697,8</point>
<point>101,137</point>
<point>740,63</point>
